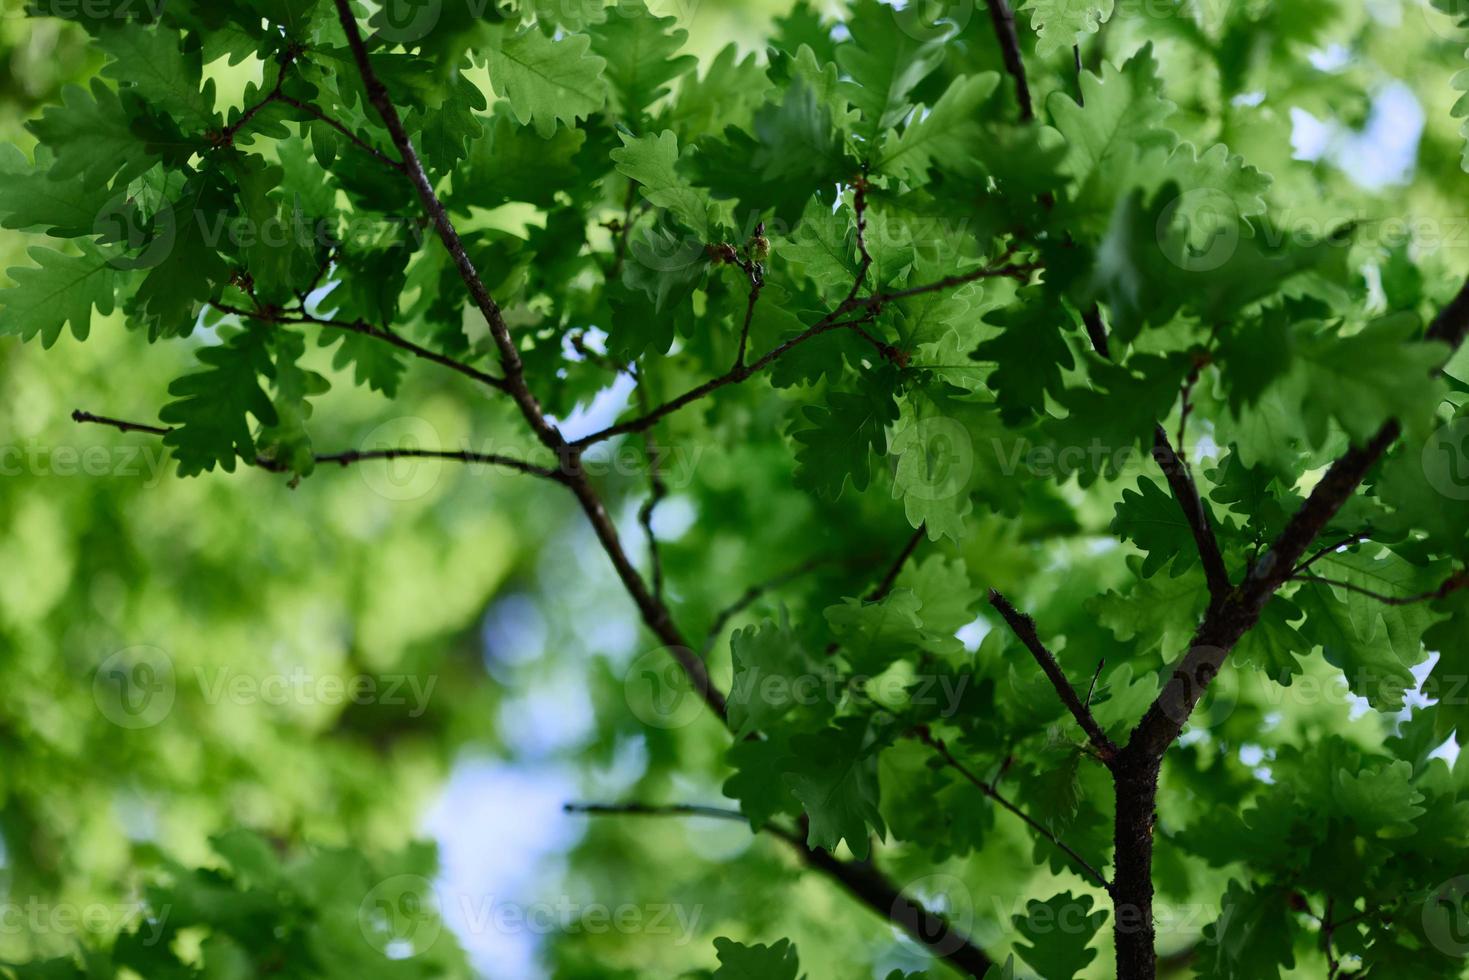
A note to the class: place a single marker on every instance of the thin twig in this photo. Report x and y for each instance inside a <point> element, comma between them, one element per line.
<point>1186,493</point>
<point>1092,688</point>
<point>754,592</point>
<point>119,424</point>
<point>1024,629</point>
<point>623,231</point>
<point>827,324</point>
<point>352,137</point>
<point>657,490</point>
<point>269,315</point>
<point>896,569</point>
<point>937,744</point>
<point>350,456</point>
<point>863,881</point>
<point>1346,542</point>
<point>655,810</point>
<point>1455,582</point>
<point>1003,20</point>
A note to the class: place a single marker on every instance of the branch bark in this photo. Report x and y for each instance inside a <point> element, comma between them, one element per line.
<point>1138,764</point>
<point>367,330</point>
<point>349,457</point>
<point>1003,20</point>
<point>1186,493</point>
<point>861,880</point>
<point>1024,629</point>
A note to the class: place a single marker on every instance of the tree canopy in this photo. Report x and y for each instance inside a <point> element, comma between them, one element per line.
<point>950,490</point>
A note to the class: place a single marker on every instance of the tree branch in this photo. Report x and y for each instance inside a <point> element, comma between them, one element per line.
<point>896,569</point>
<point>1349,540</point>
<point>268,315</point>
<point>937,744</point>
<point>862,881</point>
<point>1003,20</point>
<point>349,457</point>
<point>377,95</point>
<point>869,304</point>
<point>1186,493</point>
<point>1225,622</point>
<point>1455,582</point>
<point>1024,629</point>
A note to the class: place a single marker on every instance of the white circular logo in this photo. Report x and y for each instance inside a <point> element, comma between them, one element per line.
<point>1449,19</point>
<point>1446,460</point>
<point>146,244</point>
<point>407,21</point>
<point>134,688</point>
<point>666,248</point>
<point>399,474</point>
<point>946,898</point>
<point>400,916</point>
<point>1199,230</point>
<point>1445,918</point>
<point>935,459</point>
<point>931,20</point>
<point>659,692</point>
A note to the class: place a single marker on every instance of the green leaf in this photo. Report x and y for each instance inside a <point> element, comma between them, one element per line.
<point>61,288</point>
<point>1381,800</point>
<point>760,796</point>
<point>949,135</point>
<point>650,161</point>
<point>770,664</point>
<point>547,81</point>
<point>727,94</point>
<point>64,208</point>
<point>1029,355</point>
<point>92,137</point>
<point>834,774</point>
<point>874,634</point>
<point>1151,519</point>
<point>1121,117</point>
<point>884,65</point>
<point>1362,380</point>
<point>184,266</point>
<point>512,163</point>
<point>740,962</point>
<point>1253,937</point>
<point>640,51</point>
<point>1349,629</point>
<point>211,407</point>
<point>1060,24</point>
<point>156,64</point>
<point>1059,931</point>
<point>841,438</point>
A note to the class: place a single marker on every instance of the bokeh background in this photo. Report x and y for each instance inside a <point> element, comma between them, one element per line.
<point>483,597</point>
